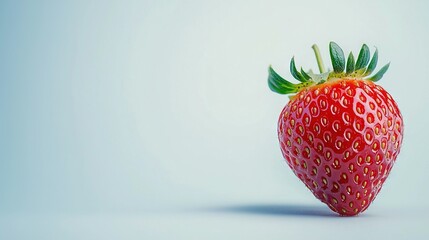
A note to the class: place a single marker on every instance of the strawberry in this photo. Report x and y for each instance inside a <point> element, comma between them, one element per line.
<point>340,133</point>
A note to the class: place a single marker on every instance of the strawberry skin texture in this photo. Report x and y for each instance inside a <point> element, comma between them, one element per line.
<point>341,138</point>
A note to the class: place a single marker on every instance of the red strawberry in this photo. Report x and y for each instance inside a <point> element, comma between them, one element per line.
<point>340,133</point>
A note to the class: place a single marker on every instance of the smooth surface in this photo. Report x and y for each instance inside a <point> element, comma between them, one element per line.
<point>253,221</point>
<point>122,119</point>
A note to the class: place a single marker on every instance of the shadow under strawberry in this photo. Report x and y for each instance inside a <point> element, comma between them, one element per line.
<point>279,209</point>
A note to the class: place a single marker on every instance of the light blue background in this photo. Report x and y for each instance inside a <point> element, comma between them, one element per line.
<point>120,119</point>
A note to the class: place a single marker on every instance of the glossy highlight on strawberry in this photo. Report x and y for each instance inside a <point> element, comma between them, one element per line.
<point>340,133</point>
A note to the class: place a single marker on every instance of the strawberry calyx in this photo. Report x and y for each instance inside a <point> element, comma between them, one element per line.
<point>342,69</point>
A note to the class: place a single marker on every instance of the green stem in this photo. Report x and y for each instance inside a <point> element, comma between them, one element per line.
<point>318,58</point>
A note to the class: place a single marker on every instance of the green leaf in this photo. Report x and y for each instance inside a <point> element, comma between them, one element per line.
<point>350,63</point>
<point>337,57</point>
<point>276,89</point>
<point>277,79</point>
<point>380,73</point>
<point>322,77</point>
<point>360,72</point>
<point>363,57</point>
<point>305,75</point>
<point>297,75</point>
<point>372,64</point>
<point>278,84</point>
